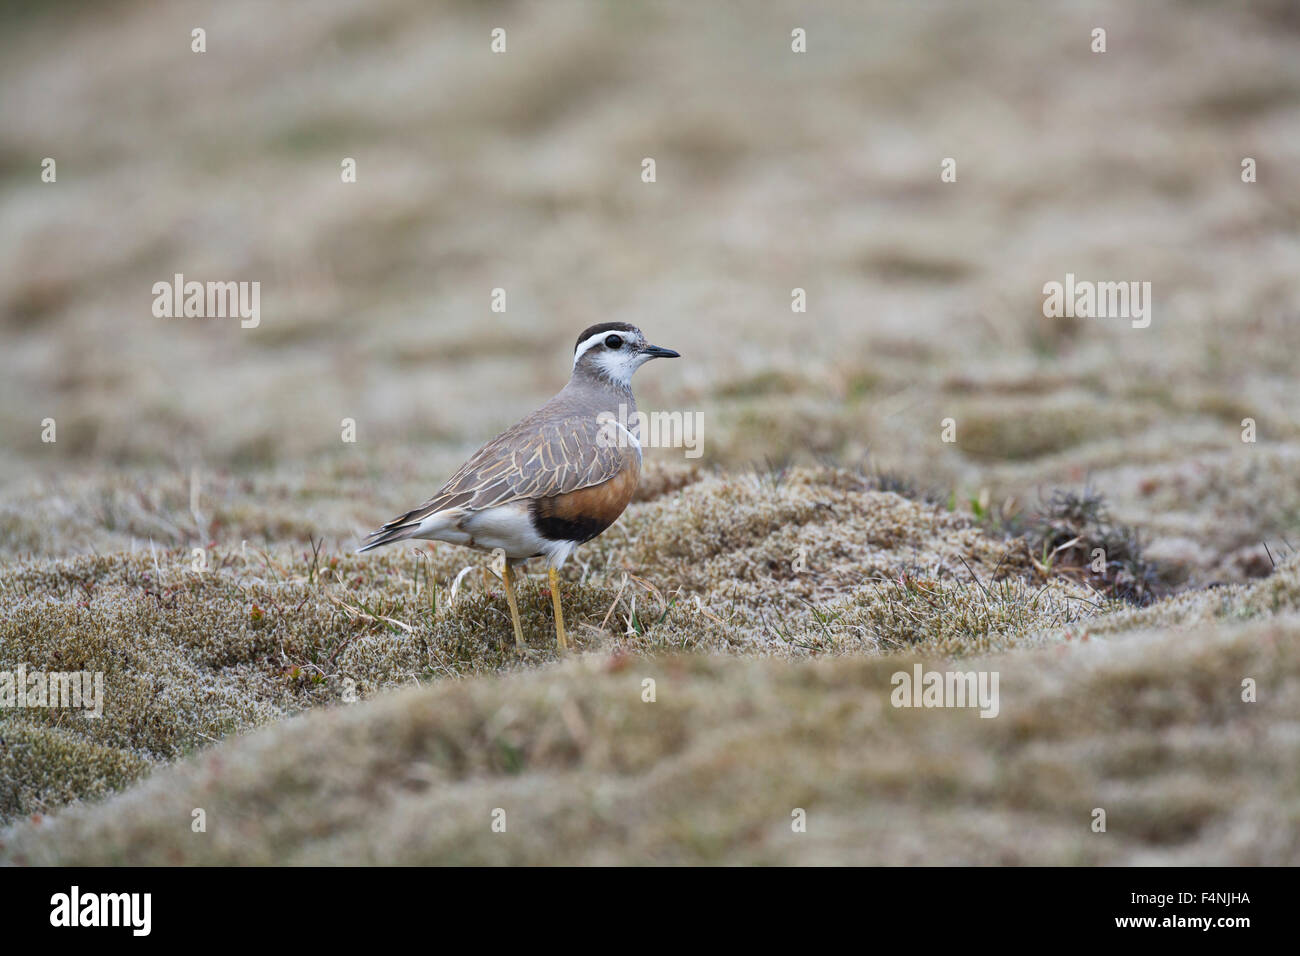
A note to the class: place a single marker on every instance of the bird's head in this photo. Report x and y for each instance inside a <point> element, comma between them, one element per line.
<point>612,351</point>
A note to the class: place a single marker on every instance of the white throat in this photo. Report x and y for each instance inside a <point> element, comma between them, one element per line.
<point>619,366</point>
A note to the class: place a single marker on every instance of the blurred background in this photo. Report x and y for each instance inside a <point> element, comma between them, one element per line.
<point>775,171</point>
<point>522,171</point>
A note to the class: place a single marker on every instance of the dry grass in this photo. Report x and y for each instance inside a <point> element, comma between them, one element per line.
<point>739,566</point>
<point>191,658</point>
<point>1151,728</point>
<point>775,171</point>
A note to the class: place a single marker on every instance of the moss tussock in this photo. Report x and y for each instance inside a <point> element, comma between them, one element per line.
<point>797,563</point>
<point>587,772</point>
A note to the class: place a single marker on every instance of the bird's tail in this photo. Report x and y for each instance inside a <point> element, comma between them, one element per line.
<point>388,534</point>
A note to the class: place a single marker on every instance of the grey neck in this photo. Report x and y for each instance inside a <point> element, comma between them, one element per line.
<point>590,385</point>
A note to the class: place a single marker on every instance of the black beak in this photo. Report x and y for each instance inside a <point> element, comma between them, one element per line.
<point>655,351</point>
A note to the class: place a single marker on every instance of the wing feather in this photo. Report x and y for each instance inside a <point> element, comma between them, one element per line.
<point>544,455</point>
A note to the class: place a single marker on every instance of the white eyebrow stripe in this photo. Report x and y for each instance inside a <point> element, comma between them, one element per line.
<point>591,340</point>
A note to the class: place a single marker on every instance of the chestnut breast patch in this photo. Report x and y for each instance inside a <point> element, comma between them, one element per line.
<point>581,515</point>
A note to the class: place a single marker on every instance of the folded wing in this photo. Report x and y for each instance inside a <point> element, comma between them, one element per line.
<point>540,457</point>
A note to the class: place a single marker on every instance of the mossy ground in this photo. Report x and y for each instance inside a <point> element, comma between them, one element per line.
<point>1151,729</point>
<point>194,658</point>
<point>771,602</point>
<point>746,565</point>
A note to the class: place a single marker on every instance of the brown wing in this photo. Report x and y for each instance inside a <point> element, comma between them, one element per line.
<point>542,456</point>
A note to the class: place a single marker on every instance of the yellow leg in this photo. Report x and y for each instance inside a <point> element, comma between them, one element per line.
<point>561,640</point>
<point>508,579</point>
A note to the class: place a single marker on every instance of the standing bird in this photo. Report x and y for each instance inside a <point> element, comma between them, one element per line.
<point>558,478</point>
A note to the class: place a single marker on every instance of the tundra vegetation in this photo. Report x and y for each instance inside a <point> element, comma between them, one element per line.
<point>180,497</point>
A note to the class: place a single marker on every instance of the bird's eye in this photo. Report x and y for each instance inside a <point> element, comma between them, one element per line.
<point>613,342</point>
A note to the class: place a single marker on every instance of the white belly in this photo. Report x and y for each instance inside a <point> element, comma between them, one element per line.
<point>508,527</point>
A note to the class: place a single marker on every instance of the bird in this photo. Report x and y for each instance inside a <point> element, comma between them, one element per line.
<point>558,478</point>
